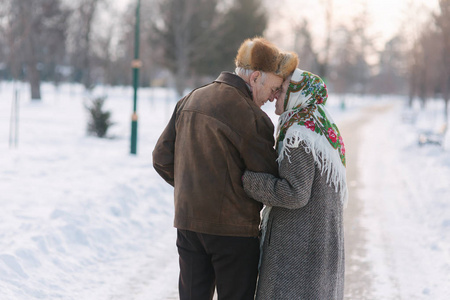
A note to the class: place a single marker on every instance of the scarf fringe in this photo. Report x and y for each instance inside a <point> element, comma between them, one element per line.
<point>328,160</point>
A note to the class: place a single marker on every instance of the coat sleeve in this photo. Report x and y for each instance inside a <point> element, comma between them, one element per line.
<point>292,190</point>
<point>257,149</point>
<point>163,154</point>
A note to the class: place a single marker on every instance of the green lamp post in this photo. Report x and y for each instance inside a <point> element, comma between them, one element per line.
<point>136,65</point>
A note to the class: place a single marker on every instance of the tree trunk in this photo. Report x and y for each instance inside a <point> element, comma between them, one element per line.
<point>33,75</point>
<point>88,10</point>
<point>35,82</point>
<point>324,64</point>
<point>446,96</point>
<point>182,48</point>
<point>180,76</point>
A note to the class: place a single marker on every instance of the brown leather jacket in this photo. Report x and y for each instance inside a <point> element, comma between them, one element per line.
<point>215,133</point>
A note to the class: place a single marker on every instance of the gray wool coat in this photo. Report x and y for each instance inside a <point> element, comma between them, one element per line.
<point>303,251</point>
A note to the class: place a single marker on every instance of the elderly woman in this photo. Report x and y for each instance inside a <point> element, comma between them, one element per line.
<point>303,238</point>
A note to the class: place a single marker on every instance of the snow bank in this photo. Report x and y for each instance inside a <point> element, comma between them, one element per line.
<point>80,215</point>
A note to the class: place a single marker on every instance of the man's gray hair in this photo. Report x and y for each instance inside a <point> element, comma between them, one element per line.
<point>247,72</point>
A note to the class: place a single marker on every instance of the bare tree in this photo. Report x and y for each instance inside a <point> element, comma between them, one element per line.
<point>242,19</point>
<point>198,37</point>
<point>7,38</point>
<point>364,46</point>
<point>425,64</point>
<point>303,45</point>
<point>391,76</point>
<point>419,34</point>
<point>82,39</point>
<point>324,59</point>
<point>4,11</point>
<point>349,69</point>
<point>430,61</point>
<point>443,23</point>
<point>124,51</point>
<point>414,72</point>
<point>183,29</point>
<point>36,32</point>
<point>343,74</point>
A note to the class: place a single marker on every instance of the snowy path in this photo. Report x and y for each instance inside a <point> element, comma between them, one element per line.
<point>357,276</point>
<point>398,214</point>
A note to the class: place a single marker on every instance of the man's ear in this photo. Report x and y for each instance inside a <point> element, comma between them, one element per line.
<point>254,77</point>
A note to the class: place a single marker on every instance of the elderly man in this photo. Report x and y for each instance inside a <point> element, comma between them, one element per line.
<point>215,133</point>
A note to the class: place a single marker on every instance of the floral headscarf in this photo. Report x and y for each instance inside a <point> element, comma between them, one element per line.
<point>306,121</point>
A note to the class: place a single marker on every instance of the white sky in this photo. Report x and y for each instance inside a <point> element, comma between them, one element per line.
<point>384,16</point>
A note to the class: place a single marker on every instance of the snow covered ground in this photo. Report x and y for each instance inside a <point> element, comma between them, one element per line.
<point>406,194</point>
<point>81,218</point>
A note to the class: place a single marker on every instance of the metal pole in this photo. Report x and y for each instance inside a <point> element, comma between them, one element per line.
<point>136,64</point>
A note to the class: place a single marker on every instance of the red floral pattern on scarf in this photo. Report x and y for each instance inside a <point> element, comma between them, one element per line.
<point>332,135</point>
<point>311,113</point>
<point>310,124</point>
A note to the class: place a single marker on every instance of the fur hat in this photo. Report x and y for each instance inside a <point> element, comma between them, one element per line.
<point>261,55</point>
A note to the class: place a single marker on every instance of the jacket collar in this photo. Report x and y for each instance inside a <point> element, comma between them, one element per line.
<point>235,81</point>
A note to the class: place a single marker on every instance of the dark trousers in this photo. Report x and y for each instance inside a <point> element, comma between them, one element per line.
<point>228,263</point>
